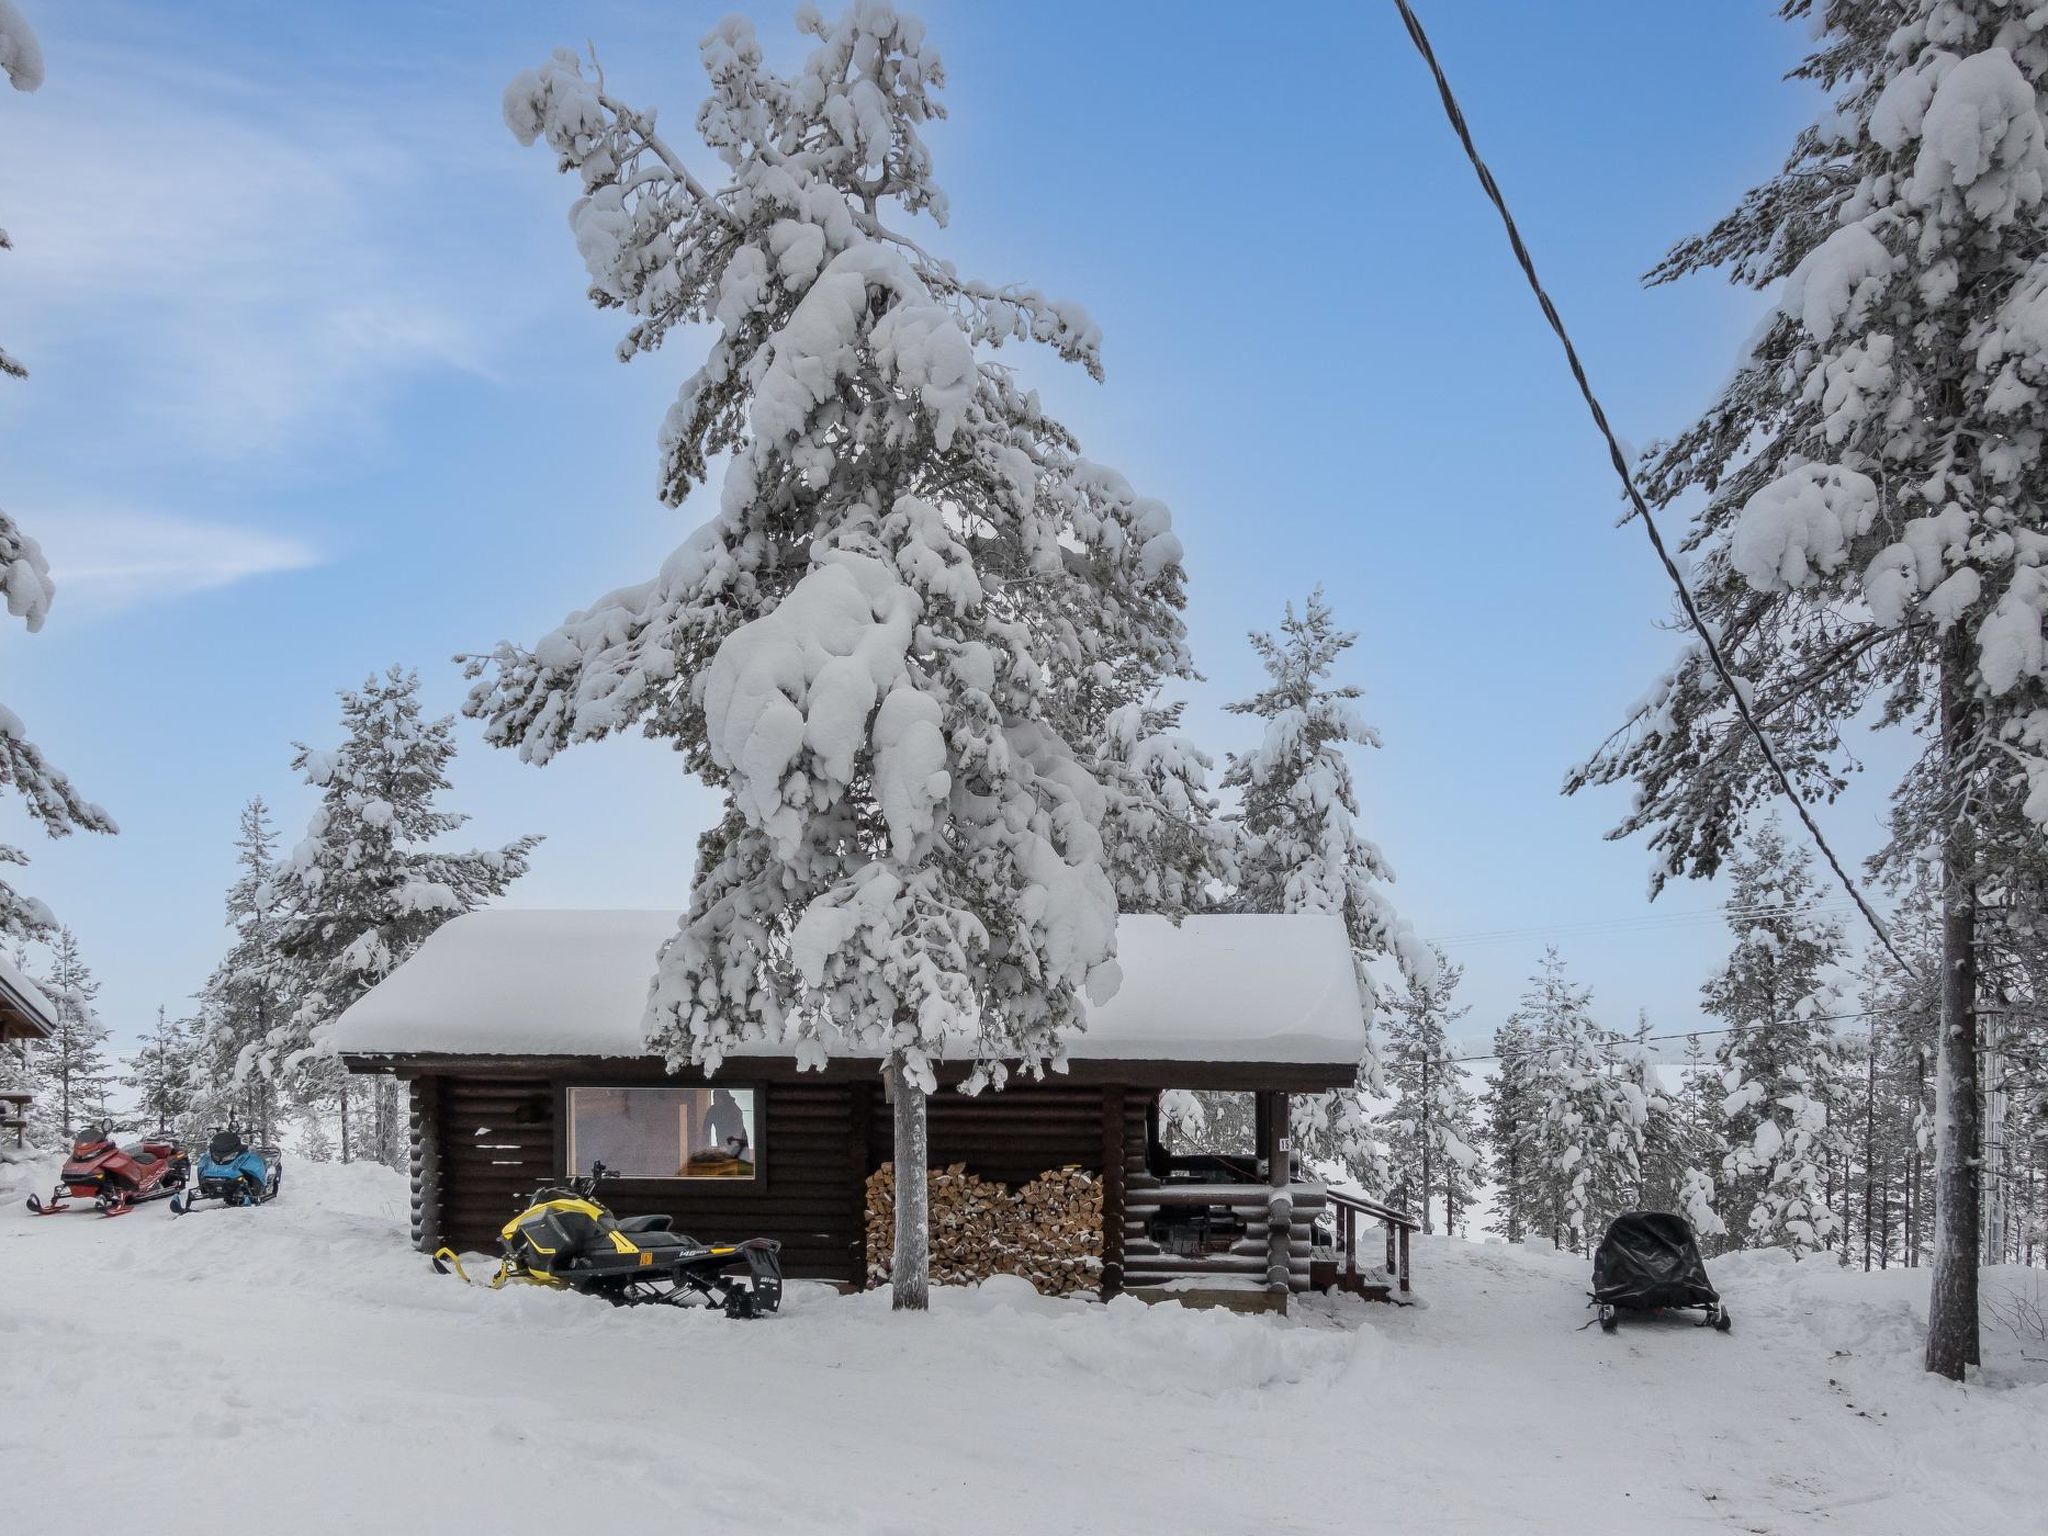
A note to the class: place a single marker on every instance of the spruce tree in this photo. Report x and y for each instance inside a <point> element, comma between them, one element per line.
<point>1581,1116</point>
<point>1298,849</point>
<point>1431,1131</point>
<point>74,1074</point>
<point>1685,1149</point>
<point>1778,1055</point>
<point>367,884</point>
<point>25,585</point>
<point>246,995</point>
<point>896,646</point>
<point>1509,1127</point>
<point>163,1073</point>
<point>1876,503</point>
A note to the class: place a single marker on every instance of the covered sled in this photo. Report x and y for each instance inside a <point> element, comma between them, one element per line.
<point>1649,1261</point>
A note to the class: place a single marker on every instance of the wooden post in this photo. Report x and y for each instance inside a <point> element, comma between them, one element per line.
<point>1112,1190</point>
<point>1393,1251</point>
<point>1404,1261</point>
<point>1280,1205</point>
<point>862,1094</point>
<point>424,1117</point>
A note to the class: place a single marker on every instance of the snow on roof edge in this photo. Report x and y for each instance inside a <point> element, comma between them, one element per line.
<point>31,997</point>
<point>522,982</point>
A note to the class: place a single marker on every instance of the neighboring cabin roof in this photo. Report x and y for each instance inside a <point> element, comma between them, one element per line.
<point>24,1012</point>
<point>574,983</point>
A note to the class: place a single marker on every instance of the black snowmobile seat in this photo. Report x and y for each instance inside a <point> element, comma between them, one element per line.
<point>638,1224</point>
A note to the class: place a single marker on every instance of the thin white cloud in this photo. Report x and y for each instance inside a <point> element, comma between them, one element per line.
<point>107,561</point>
<point>252,272</point>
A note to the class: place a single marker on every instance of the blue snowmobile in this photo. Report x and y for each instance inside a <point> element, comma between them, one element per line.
<point>233,1172</point>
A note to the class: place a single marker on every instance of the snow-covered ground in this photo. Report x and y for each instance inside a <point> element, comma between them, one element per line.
<point>299,1369</point>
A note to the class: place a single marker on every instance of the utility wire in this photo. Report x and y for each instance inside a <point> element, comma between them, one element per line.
<point>1709,643</point>
<point>1644,922</point>
<point>1683,1034</point>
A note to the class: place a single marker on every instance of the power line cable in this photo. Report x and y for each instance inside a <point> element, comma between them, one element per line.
<point>1646,922</point>
<point>1708,642</point>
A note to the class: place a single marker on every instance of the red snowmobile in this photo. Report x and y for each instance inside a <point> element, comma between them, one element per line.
<point>116,1178</point>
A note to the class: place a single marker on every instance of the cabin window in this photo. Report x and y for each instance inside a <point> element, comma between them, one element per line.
<point>665,1133</point>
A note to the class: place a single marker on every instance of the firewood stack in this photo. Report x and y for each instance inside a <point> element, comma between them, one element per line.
<point>1050,1231</point>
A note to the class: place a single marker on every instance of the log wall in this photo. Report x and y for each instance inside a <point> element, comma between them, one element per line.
<point>481,1144</point>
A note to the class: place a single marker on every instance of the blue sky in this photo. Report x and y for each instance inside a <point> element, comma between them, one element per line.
<point>315,390</point>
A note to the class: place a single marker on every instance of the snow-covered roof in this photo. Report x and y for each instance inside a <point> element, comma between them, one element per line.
<point>24,1010</point>
<point>574,983</point>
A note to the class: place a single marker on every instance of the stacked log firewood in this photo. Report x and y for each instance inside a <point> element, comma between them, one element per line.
<point>1050,1231</point>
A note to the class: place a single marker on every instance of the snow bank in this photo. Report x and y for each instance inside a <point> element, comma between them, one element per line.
<point>575,983</point>
<point>296,1367</point>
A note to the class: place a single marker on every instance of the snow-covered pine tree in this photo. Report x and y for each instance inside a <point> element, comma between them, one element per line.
<point>1508,1127</point>
<point>897,644</point>
<point>1584,1113</point>
<point>25,583</point>
<point>366,885</point>
<point>1431,1131</point>
<point>1779,1052</point>
<point>1903,1016</point>
<point>73,1073</point>
<point>163,1073</point>
<point>1871,541</point>
<point>1686,1146</point>
<point>245,997</point>
<point>1162,842</point>
<point>1298,849</point>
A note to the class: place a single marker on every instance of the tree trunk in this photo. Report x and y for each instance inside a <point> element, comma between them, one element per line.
<point>1869,1142</point>
<point>910,1266</point>
<point>1425,1147</point>
<point>1952,1298</point>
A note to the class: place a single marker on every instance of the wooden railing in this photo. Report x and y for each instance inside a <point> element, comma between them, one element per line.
<point>1348,1208</point>
<point>1274,1246</point>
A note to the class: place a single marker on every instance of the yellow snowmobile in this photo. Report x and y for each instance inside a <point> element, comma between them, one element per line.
<point>567,1240</point>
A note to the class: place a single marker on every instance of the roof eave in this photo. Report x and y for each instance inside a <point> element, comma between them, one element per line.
<point>1226,1076</point>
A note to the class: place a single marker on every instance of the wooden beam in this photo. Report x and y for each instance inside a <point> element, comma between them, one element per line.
<point>1232,1076</point>
<point>425,1135</point>
<point>1280,1208</point>
<point>1112,1190</point>
<point>861,1098</point>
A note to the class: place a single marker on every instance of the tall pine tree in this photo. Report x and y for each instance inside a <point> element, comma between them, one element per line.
<point>25,584</point>
<point>1299,849</point>
<point>1778,1054</point>
<point>72,1070</point>
<point>163,1073</point>
<point>1431,1131</point>
<point>367,884</point>
<point>1570,1115</point>
<point>247,995</point>
<point>897,645</point>
<point>1876,502</point>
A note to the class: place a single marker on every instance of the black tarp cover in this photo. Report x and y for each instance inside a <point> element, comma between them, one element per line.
<point>1649,1259</point>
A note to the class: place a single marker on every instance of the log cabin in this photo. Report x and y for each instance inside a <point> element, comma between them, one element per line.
<point>519,1036</point>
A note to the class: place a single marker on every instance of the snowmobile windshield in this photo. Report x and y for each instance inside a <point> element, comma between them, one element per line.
<point>225,1147</point>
